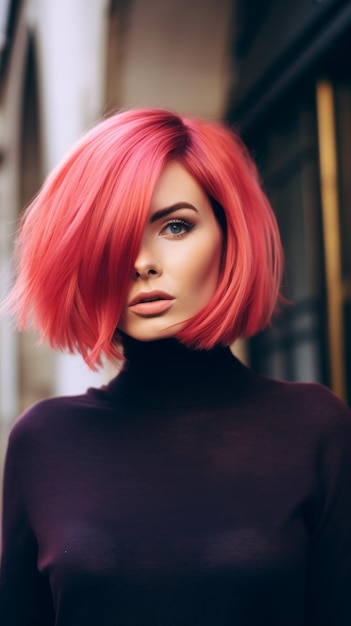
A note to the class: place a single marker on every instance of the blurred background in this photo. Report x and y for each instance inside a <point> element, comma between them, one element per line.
<point>278,71</point>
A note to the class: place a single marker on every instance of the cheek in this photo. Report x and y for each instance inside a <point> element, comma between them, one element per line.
<point>203,275</point>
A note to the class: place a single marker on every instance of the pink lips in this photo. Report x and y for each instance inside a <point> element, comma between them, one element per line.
<point>151,303</point>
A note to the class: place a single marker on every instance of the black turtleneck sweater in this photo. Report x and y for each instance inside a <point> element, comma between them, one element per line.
<point>187,492</point>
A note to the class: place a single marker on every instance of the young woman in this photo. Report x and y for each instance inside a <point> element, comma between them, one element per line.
<point>189,491</point>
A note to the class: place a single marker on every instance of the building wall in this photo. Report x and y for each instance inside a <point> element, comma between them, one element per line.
<point>70,63</point>
<point>292,102</point>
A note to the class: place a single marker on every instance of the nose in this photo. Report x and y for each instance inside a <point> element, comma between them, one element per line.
<point>146,266</point>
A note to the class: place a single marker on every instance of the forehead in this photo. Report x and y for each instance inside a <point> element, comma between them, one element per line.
<point>175,185</point>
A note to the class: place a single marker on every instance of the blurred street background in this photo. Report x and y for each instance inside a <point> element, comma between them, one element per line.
<point>278,71</point>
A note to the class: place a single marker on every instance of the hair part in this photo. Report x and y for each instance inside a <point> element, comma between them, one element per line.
<point>80,236</point>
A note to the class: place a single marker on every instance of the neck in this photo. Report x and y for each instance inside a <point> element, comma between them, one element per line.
<point>168,373</point>
<point>167,353</point>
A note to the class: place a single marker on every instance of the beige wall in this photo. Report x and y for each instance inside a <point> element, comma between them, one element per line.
<point>172,53</point>
<point>176,55</point>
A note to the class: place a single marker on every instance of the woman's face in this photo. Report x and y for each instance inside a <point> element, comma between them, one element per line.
<point>177,268</point>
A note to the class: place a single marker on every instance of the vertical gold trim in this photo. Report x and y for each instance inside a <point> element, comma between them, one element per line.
<point>331,234</point>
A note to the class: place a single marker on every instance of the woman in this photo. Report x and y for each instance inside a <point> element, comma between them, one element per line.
<point>189,490</point>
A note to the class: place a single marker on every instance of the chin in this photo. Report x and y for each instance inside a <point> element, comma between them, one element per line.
<point>154,334</point>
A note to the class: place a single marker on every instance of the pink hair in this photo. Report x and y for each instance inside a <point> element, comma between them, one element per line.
<point>81,234</point>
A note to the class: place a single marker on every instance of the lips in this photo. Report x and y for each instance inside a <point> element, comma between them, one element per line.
<point>151,303</point>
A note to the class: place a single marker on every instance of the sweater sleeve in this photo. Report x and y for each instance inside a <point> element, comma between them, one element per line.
<point>328,580</point>
<point>25,597</point>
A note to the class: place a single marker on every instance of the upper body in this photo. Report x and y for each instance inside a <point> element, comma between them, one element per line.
<point>193,493</point>
<point>189,490</point>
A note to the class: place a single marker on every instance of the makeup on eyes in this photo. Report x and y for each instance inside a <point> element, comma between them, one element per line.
<point>179,218</point>
<point>185,224</point>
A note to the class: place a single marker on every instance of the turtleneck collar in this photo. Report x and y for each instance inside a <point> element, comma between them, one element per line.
<point>166,373</point>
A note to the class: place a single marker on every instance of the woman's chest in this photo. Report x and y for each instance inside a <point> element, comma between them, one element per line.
<point>167,501</point>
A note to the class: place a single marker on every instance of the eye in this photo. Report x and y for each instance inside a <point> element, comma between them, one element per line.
<point>176,229</point>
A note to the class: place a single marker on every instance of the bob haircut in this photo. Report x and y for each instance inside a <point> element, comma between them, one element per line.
<point>80,236</point>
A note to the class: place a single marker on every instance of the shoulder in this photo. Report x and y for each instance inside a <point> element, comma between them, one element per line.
<point>314,400</point>
<point>312,396</point>
<point>57,416</point>
<point>312,405</point>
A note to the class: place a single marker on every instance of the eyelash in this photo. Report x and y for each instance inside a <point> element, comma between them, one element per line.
<point>187,225</point>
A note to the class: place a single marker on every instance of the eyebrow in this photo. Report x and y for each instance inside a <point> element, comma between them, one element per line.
<point>170,209</point>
